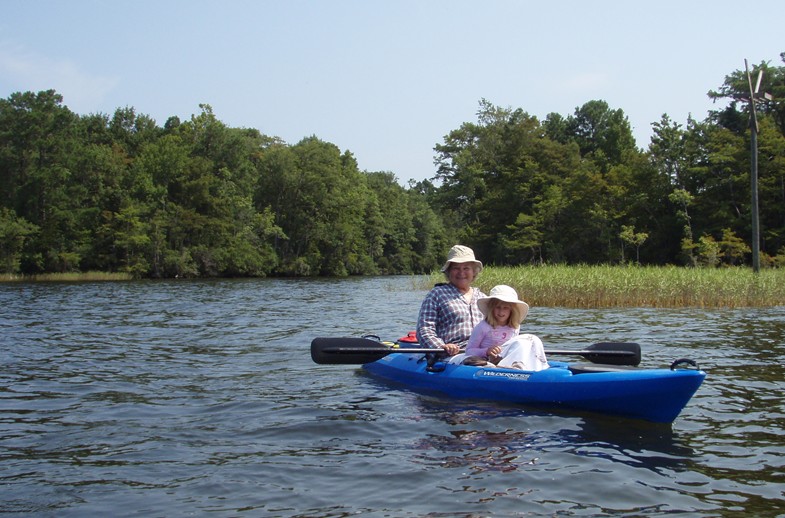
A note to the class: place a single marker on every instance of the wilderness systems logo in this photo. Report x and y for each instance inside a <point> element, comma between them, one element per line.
<point>523,376</point>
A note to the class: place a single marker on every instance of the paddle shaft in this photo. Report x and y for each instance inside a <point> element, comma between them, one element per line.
<point>425,350</point>
<point>354,351</point>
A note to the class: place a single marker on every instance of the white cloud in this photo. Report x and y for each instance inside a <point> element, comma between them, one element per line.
<point>22,70</point>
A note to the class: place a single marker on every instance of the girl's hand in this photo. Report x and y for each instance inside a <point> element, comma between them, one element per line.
<point>493,354</point>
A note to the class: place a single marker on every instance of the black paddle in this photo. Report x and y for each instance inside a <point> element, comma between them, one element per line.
<point>357,351</point>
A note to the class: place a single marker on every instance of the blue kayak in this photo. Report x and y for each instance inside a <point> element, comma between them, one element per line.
<point>657,395</point>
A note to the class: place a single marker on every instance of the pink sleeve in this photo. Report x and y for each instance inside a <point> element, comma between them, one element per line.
<point>474,345</point>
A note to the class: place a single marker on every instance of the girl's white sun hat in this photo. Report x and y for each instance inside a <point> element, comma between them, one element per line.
<point>506,294</point>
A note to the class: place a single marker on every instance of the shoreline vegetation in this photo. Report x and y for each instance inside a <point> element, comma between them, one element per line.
<point>585,286</point>
<point>67,277</point>
<point>200,198</point>
<point>603,286</point>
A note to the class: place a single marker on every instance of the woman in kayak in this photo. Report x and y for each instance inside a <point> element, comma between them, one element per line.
<point>449,312</point>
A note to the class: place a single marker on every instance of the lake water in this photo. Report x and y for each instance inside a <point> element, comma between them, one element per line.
<point>183,398</point>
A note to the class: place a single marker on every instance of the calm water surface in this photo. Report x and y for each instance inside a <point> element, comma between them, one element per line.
<point>194,397</point>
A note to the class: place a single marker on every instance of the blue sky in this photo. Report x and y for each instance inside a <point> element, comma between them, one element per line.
<point>386,80</point>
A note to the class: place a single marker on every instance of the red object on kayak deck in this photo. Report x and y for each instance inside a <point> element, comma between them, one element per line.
<point>411,337</point>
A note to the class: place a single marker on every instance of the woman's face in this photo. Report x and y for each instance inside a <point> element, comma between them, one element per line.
<point>462,276</point>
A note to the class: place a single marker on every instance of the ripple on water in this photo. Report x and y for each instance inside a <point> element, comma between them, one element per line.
<point>191,397</point>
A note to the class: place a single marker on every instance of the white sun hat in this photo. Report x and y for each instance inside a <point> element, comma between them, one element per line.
<point>460,254</point>
<point>506,294</point>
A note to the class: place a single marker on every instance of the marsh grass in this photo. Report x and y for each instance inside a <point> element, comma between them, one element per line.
<point>586,286</point>
<point>67,277</point>
<point>630,286</point>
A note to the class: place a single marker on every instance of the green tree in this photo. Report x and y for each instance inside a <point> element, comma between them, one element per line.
<point>14,233</point>
<point>632,238</point>
<point>668,163</point>
<point>389,225</point>
<point>430,238</point>
<point>525,238</point>
<point>601,133</point>
<point>708,251</point>
<point>732,248</point>
<point>319,199</point>
<point>496,176</point>
<point>131,131</point>
<point>771,186</point>
<point>683,199</point>
<point>38,145</point>
<point>667,150</point>
<point>131,239</point>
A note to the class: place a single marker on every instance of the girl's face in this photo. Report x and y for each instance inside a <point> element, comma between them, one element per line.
<point>462,276</point>
<point>501,312</point>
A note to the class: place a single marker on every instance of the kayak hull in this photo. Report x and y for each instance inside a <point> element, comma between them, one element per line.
<point>657,395</point>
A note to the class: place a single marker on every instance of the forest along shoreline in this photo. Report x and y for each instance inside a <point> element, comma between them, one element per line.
<point>198,198</point>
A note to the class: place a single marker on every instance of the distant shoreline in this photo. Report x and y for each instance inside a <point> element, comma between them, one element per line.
<point>66,277</point>
<point>583,286</point>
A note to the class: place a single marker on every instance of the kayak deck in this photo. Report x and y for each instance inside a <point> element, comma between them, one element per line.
<point>657,395</point>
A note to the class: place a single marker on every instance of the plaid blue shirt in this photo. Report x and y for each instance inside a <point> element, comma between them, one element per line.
<point>446,317</point>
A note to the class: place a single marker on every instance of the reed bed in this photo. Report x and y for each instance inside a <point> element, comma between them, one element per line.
<point>586,286</point>
<point>67,277</point>
<point>630,286</point>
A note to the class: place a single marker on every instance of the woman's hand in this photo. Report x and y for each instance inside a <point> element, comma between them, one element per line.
<point>451,349</point>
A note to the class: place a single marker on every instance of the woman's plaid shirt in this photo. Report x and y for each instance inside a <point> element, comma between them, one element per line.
<point>446,317</point>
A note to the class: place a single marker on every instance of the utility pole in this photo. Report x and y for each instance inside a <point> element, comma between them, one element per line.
<point>755,95</point>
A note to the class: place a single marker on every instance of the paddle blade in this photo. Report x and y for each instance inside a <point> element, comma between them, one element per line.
<point>614,353</point>
<point>347,351</point>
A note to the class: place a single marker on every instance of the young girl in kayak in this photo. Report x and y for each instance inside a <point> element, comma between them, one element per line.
<point>496,338</point>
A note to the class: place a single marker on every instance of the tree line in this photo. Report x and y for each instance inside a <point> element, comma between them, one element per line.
<point>195,198</point>
<point>198,198</point>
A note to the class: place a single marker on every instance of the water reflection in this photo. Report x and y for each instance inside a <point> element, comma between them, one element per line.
<point>475,450</point>
<point>481,437</point>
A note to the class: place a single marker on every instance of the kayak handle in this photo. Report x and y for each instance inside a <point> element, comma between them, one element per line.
<point>682,361</point>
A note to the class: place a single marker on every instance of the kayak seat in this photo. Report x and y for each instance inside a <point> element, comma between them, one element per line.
<point>586,368</point>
